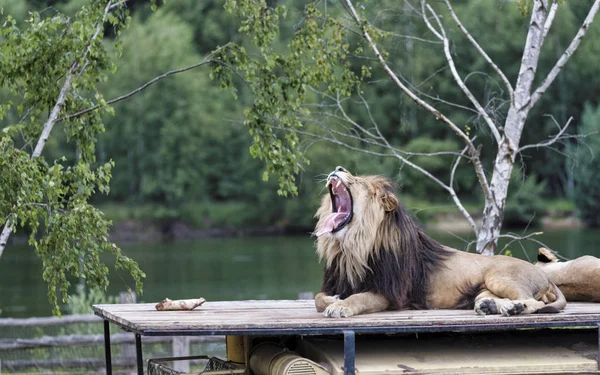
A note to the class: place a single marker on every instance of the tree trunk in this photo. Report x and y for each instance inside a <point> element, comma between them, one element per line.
<point>493,212</point>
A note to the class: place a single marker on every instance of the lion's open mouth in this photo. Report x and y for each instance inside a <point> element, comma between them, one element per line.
<point>341,206</point>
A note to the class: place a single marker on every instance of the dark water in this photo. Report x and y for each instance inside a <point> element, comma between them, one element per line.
<point>228,269</point>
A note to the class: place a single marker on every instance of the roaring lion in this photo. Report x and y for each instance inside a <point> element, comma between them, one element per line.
<point>376,258</point>
<point>578,279</point>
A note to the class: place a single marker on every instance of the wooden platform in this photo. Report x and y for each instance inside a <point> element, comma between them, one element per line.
<point>300,317</point>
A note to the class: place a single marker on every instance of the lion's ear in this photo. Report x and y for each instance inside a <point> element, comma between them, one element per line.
<point>389,201</point>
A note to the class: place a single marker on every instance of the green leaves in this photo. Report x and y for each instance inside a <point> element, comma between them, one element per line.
<point>280,77</point>
<point>49,199</point>
<point>584,166</point>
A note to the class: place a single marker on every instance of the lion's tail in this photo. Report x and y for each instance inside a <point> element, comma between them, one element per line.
<point>556,306</point>
<point>546,256</point>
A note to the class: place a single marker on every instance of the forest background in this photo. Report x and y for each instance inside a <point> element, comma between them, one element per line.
<point>181,151</point>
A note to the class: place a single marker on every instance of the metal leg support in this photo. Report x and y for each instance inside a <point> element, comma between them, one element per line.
<point>349,352</point>
<point>107,348</point>
<point>138,354</point>
<point>598,357</point>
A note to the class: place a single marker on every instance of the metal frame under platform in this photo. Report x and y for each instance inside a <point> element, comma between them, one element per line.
<point>278,318</point>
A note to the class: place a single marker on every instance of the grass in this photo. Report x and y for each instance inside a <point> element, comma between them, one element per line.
<point>560,207</point>
<point>201,215</point>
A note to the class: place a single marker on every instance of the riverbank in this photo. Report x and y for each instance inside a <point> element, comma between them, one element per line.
<point>149,223</point>
<point>456,223</point>
<point>138,223</point>
<point>452,222</point>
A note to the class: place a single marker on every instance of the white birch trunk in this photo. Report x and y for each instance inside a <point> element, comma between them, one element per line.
<point>493,212</point>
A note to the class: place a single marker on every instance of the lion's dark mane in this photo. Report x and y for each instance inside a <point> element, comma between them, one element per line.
<point>400,274</point>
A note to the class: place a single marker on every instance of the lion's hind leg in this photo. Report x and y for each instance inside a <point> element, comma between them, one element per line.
<point>487,303</point>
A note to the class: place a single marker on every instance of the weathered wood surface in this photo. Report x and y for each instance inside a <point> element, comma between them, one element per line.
<point>214,317</point>
<point>49,321</point>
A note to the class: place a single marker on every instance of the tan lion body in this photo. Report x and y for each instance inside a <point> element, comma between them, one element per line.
<point>377,259</point>
<point>578,279</point>
<point>505,277</point>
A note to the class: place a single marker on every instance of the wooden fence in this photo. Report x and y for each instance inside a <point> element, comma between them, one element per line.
<point>126,341</point>
<point>125,363</point>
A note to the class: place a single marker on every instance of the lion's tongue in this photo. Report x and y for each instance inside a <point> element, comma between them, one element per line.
<point>343,204</point>
<point>331,222</point>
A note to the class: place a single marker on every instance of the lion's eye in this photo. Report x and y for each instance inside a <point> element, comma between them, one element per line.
<point>340,169</point>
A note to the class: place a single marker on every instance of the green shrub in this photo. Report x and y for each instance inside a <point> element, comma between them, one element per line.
<point>81,302</point>
<point>586,164</point>
<point>524,204</point>
<point>418,185</point>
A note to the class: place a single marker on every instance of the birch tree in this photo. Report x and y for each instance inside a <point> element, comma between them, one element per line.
<point>51,65</point>
<point>308,90</point>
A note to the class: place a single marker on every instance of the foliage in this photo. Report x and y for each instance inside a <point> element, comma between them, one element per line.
<point>81,301</point>
<point>316,56</point>
<point>525,204</point>
<point>416,184</point>
<point>586,164</point>
<point>53,63</point>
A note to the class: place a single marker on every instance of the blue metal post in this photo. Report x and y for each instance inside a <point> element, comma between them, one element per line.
<point>107,348</point>
<point>598,357</point>
<point>138,354</point>
<point>349,352</point>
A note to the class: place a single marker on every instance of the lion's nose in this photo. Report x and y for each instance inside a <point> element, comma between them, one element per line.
<point>337,169</point>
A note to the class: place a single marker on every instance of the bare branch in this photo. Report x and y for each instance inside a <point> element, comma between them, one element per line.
<point>395,79</point>
<point>399,154</point>
<point>481,51</point>
<point>537,94</point>
<point>438,115</point>
<point>455,166</point>
<point>442,35</point>
<point>439,34</point>
<point>409,37</point>
<point>393,154</point>
<point>435,98</point>
<point>515,237</point>
<point>141,88</point>
<point>549,20</point>
<point>454,196</point>
<point>553,140</point>
<point>371,138</point>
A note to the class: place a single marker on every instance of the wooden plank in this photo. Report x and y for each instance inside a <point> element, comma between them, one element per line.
<point>92,340</point>
<point>49,321</point>
<point>241,315</point>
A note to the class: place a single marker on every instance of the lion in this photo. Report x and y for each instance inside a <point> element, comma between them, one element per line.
<point>578,279</point>
<point>376,258</point>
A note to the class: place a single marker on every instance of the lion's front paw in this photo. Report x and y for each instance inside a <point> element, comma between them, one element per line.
<point>322,301</point>
<point>338,310</point>
<point>512,308</point>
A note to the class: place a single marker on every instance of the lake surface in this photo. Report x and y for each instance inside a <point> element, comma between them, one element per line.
<point>229,268</point>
